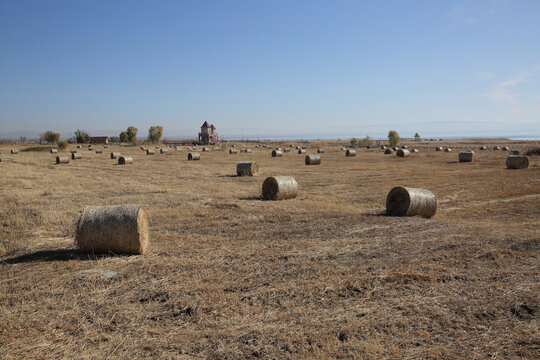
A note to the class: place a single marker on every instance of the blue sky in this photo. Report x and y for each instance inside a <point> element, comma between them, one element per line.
<point>261,69</point>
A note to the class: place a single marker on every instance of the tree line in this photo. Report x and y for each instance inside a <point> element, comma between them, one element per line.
<point>80,136</point>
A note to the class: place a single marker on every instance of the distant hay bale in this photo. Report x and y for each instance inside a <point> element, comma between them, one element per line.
<point>76,156</point>
<point>404,147</point>
<point>402,153</point>
<point>54,151</point>
<point>115,155</point>
<point>279,149</point>
<point>438,148</point>
<point>163,151</point>
<point>247,168</point>
<point>496,148</point>
<point>505,148</point>
<point>350,153</point>
<point>233,145</point>
<point>277,153</point>
<point>320,151</point>
<point>142,147</point>
<point>287,150</point>
<point>157,147</point>
<point>403,201</point>
<point>343,149</point>
<point>395,148</point>
<point>368,147</point>
<point>447,150</point>
<point>193,156</point>
<point>233,151</point>
<point>279,188</point>
<point>205,149</point>
<point>415,151</point>
<point>120,229</point>
<point>514,152</point>
<point>14,151</point>
<point>483,147</point>
<point>304,146</point>
<point>125,160</point>
<point>90,148</point>
<point>106,146</point>
<point>150,152</point>
<point>62,159</point>
<point>301,151</point>
<point>177,148</point>
<point>72,151</point>
<point>291,145</point>
<point>383,147</point>
<point>297,147</point>
<point>388,151</point>
<point>466,156</point>
<point>99,151</point>
<point>517,162</point>
<point>313,160</point>
<point>78,146</point>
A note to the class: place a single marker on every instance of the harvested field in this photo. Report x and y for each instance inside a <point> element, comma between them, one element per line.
<point>228,275</point>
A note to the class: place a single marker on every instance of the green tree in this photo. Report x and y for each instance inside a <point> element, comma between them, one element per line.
<point>393,138</point>
<point>124,137</point>
<point>155,133</point>
<point>417,136</point>
<point>81,136</point>
<point>50,136</point>
<point>132,134</point>
<point>354,142</point>
<point>366,140</point>
<point>62,144</point>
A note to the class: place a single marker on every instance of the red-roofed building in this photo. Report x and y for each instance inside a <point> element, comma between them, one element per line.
<point>208,134</point>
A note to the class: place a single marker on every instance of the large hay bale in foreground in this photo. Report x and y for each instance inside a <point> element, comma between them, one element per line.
<point>402,153</point>
<point>54,151</point>
<point>115,155</point>
<point>193,156</point>
<point>62,159</point>
<point>466,156</point>
<point>233,151</point>
<point>517,162</point>
<point>350,153</point>
<point>301,151</point>
<point>320,151</point>
<point>403,201</point>
<point>279,188</point>
<point>150,152</point>
<point>277,153</point>
<point>388,151</point>
<point>76,156</point>
<point>247,168</point>
<point>121,229</point>
<point>313,160</point>
<point>125,160</point>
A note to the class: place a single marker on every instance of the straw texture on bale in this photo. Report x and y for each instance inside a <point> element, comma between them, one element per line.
<point>387,151</point>
<point>350,153</point>
<point>279,188</point>
<point>205,149</point>
<point>150,152</point>
<point>247,169</point>
<point>75,156</point>
<point>287,150</point>
<point>505,148</point>
<point>245,150</point>
<point>115,155</point>
<point>233,151</point>
<point>99,151</point>
<point>402,153</point>
<point>54,151</point>
<point>90,148</point>
<point>403,201</point>
<point>447,150</point>
<point>193,156</point>
<point>277,153</point>
<point>496,148</point>
<point>415,151</point>
<point>14,151</point>
<point>121,229</point>
<point>517,162</point>
<point>62,159</point>
<point>163,151</point>
<point>320,151</point>
<point>483,147</point>
<point>301,151</point>
<point>404,147</point>
<point>466,156</point>
<point>313,160</point>
<point>438,148</point>
<point>514,152</point>
<point>125,160</point>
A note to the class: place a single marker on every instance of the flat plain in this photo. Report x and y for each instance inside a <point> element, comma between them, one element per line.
<point>229,276</point>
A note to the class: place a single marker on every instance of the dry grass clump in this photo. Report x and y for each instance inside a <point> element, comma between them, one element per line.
<point>533,151</point>
<point>120,229</point>
<point>279,188</point>
<point>403,201</point>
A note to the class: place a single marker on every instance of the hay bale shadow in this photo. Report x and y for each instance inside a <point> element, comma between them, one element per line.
<point>255,197</point>
<point>53,255</point>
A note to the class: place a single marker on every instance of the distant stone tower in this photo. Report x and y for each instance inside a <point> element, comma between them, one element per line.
<point>208,134</point>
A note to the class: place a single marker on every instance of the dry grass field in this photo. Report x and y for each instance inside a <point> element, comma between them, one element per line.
<point>229,276</point>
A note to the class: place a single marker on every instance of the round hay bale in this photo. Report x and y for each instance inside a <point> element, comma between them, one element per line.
<point>277,153</point>
<point>297,147</point>
<point>14,151</point>
<point>142,147</point>
<point>150,152</point>
<point>279,188</point>
<point>496,148</point>
<point>368,147</point>
<point>403,201</point>
<point>247,168</point>
<point>205,149</point>
<point>514,152</point>
<point>438,148</point>
<point>388,151</point>
<point>121,229</point>
<point>54,151</point>
<point>78,146</point>
<point>157,147</point>
<point>233,151</point>
<point>402,153</point>
<point>115,155</point>
<point>343,149</point>
<point>404,147</point>
<point>106,146</point>
<point>279,149</point>
<point>383,147</point>
<point>75,156</point>
<point>483,147</point>
<point>350,153</point>
<point>301,151</point>
<point>466,156</point>
<point>304,146</point>
<point>125,160</point>
<point>163,151</point>
<point>99,151</point>
<point>313,160</point>
<point>517,162</point>
<point>395,148</point>
<point>193,156</point>
<point>177,148</point>
<point>90,148</point>
<point>72,151</point>
<point>233,145</point>
<point>415,151</point>
<point>447,150</point>
<point>505,148</point>
<point>62,159</point>
<point>320,151</point>
<point>287,150</point>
